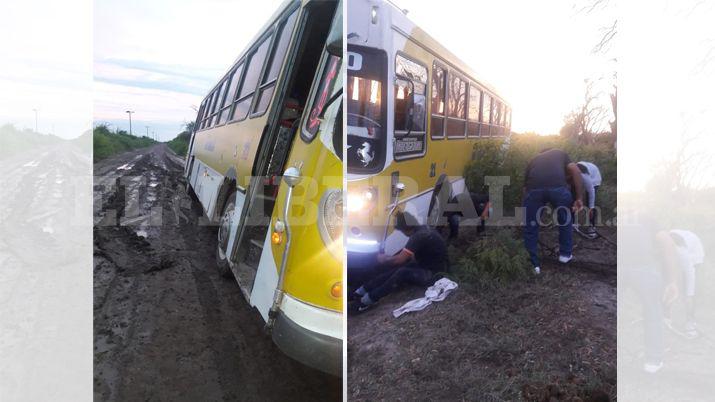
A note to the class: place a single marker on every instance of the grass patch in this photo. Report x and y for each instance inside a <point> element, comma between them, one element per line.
<point>14,141</point>
<point>180,144</point>
<point>491,261</point>
<point>107,143</point>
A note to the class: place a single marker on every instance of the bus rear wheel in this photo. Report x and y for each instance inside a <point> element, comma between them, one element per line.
<point>224,231</point>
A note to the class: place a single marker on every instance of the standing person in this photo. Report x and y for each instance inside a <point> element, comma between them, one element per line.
<point>424,255</point>
<point>649,266</point>
<point>690,254</point>
<point>545,181</point>
<point>591,178</point>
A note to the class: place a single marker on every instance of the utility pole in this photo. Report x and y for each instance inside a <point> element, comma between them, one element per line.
<point>35,110</point>
<point>147,131</point>
<point>129,112</point>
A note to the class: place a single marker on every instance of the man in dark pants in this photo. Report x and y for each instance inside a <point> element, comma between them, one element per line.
<point>481,205</point>
<point>545,182</point>
<point>424,255</point>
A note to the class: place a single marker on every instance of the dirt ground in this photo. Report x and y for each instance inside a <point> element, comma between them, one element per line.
<point>166,326</point>
<point>552,336</point>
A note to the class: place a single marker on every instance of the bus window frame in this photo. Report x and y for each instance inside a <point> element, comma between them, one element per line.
<point>384,74</point>
<point>461,77</point>
<point>305,135</point>
<point>481,113</point>
<point>222,99</point>
<point>268,35</point>
<point>402,133</point>
<point>230,106</point>
<point>277,30</point>
<point>474,86</point>
<point>438,63</point>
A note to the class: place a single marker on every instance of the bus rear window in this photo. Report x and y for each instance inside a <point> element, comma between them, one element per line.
<point>366,112</point>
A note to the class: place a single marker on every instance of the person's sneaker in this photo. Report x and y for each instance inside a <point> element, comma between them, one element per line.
<point>537,270</point>
<point>357,307</point>
<point>565,258</point>
<point>652,367</point>
<point>590,232</point>
<point>691,330</point>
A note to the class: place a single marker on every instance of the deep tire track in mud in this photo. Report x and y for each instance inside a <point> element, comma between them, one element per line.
<point>167,326</point>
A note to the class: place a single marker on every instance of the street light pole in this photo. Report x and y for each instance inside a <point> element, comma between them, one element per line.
<point>35,110</point>
<point>130,121</point>
<point>147,131</point>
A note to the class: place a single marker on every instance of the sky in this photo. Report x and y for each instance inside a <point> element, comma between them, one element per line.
<point>536,54</point>
<point>160,58</point>
<point>46,64</point>
<point>666,82</point>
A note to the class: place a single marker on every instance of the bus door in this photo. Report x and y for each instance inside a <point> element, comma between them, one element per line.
<point>250,227</point>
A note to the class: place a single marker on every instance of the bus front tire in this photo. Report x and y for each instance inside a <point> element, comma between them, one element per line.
<point>223,233</point>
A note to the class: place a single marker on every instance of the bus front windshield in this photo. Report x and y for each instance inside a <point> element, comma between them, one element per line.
<point>366,95</point>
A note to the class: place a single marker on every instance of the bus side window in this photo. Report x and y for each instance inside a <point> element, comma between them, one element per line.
<point>417,74</point>
<point>439,77</point>
<point>486,114</point>
<point>496,112</point>
<point>457,107</point>
<point>230,94</point>
<point>209,111</point>
<point>410,92</point>
<point>268,83</point>
<point>250,80</point>
<point>200,115</point>
<point>507,123</point>
<point>220,97</point>
<point>473,114</point>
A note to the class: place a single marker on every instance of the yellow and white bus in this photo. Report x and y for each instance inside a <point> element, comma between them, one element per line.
<point>265,162</point>
<point>414,113</point>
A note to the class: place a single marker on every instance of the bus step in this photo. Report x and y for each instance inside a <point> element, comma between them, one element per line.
<point>265,197</point>
<point>253,257</point>
<point>257,243</point>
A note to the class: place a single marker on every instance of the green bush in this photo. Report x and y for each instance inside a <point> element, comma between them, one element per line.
<point>499,157</point>
<point>492,261</point>
<point>107,143</point>
<point>180,144</point>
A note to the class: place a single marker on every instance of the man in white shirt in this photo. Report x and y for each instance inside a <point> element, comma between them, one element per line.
<point>591,178</point>
<point>690,254</point>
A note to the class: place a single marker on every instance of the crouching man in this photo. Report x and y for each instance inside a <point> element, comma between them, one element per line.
<point>424,255</point>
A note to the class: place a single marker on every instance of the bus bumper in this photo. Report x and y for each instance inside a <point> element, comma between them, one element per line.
<point>308,342</point>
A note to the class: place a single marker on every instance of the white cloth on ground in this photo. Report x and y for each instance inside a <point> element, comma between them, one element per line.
<point>437,292</point>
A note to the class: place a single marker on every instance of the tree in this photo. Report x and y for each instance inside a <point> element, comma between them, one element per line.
<point>588,119</point>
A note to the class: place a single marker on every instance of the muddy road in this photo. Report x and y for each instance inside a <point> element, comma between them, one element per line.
<point>44,280</point>
<point>166,325</point>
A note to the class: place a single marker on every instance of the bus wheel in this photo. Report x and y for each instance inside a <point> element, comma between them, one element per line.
<point>224,230</point>
<point>440,197</point>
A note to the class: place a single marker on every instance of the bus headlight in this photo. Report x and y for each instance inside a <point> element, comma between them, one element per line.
<point>362,200</point>
<point>330,217</point>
